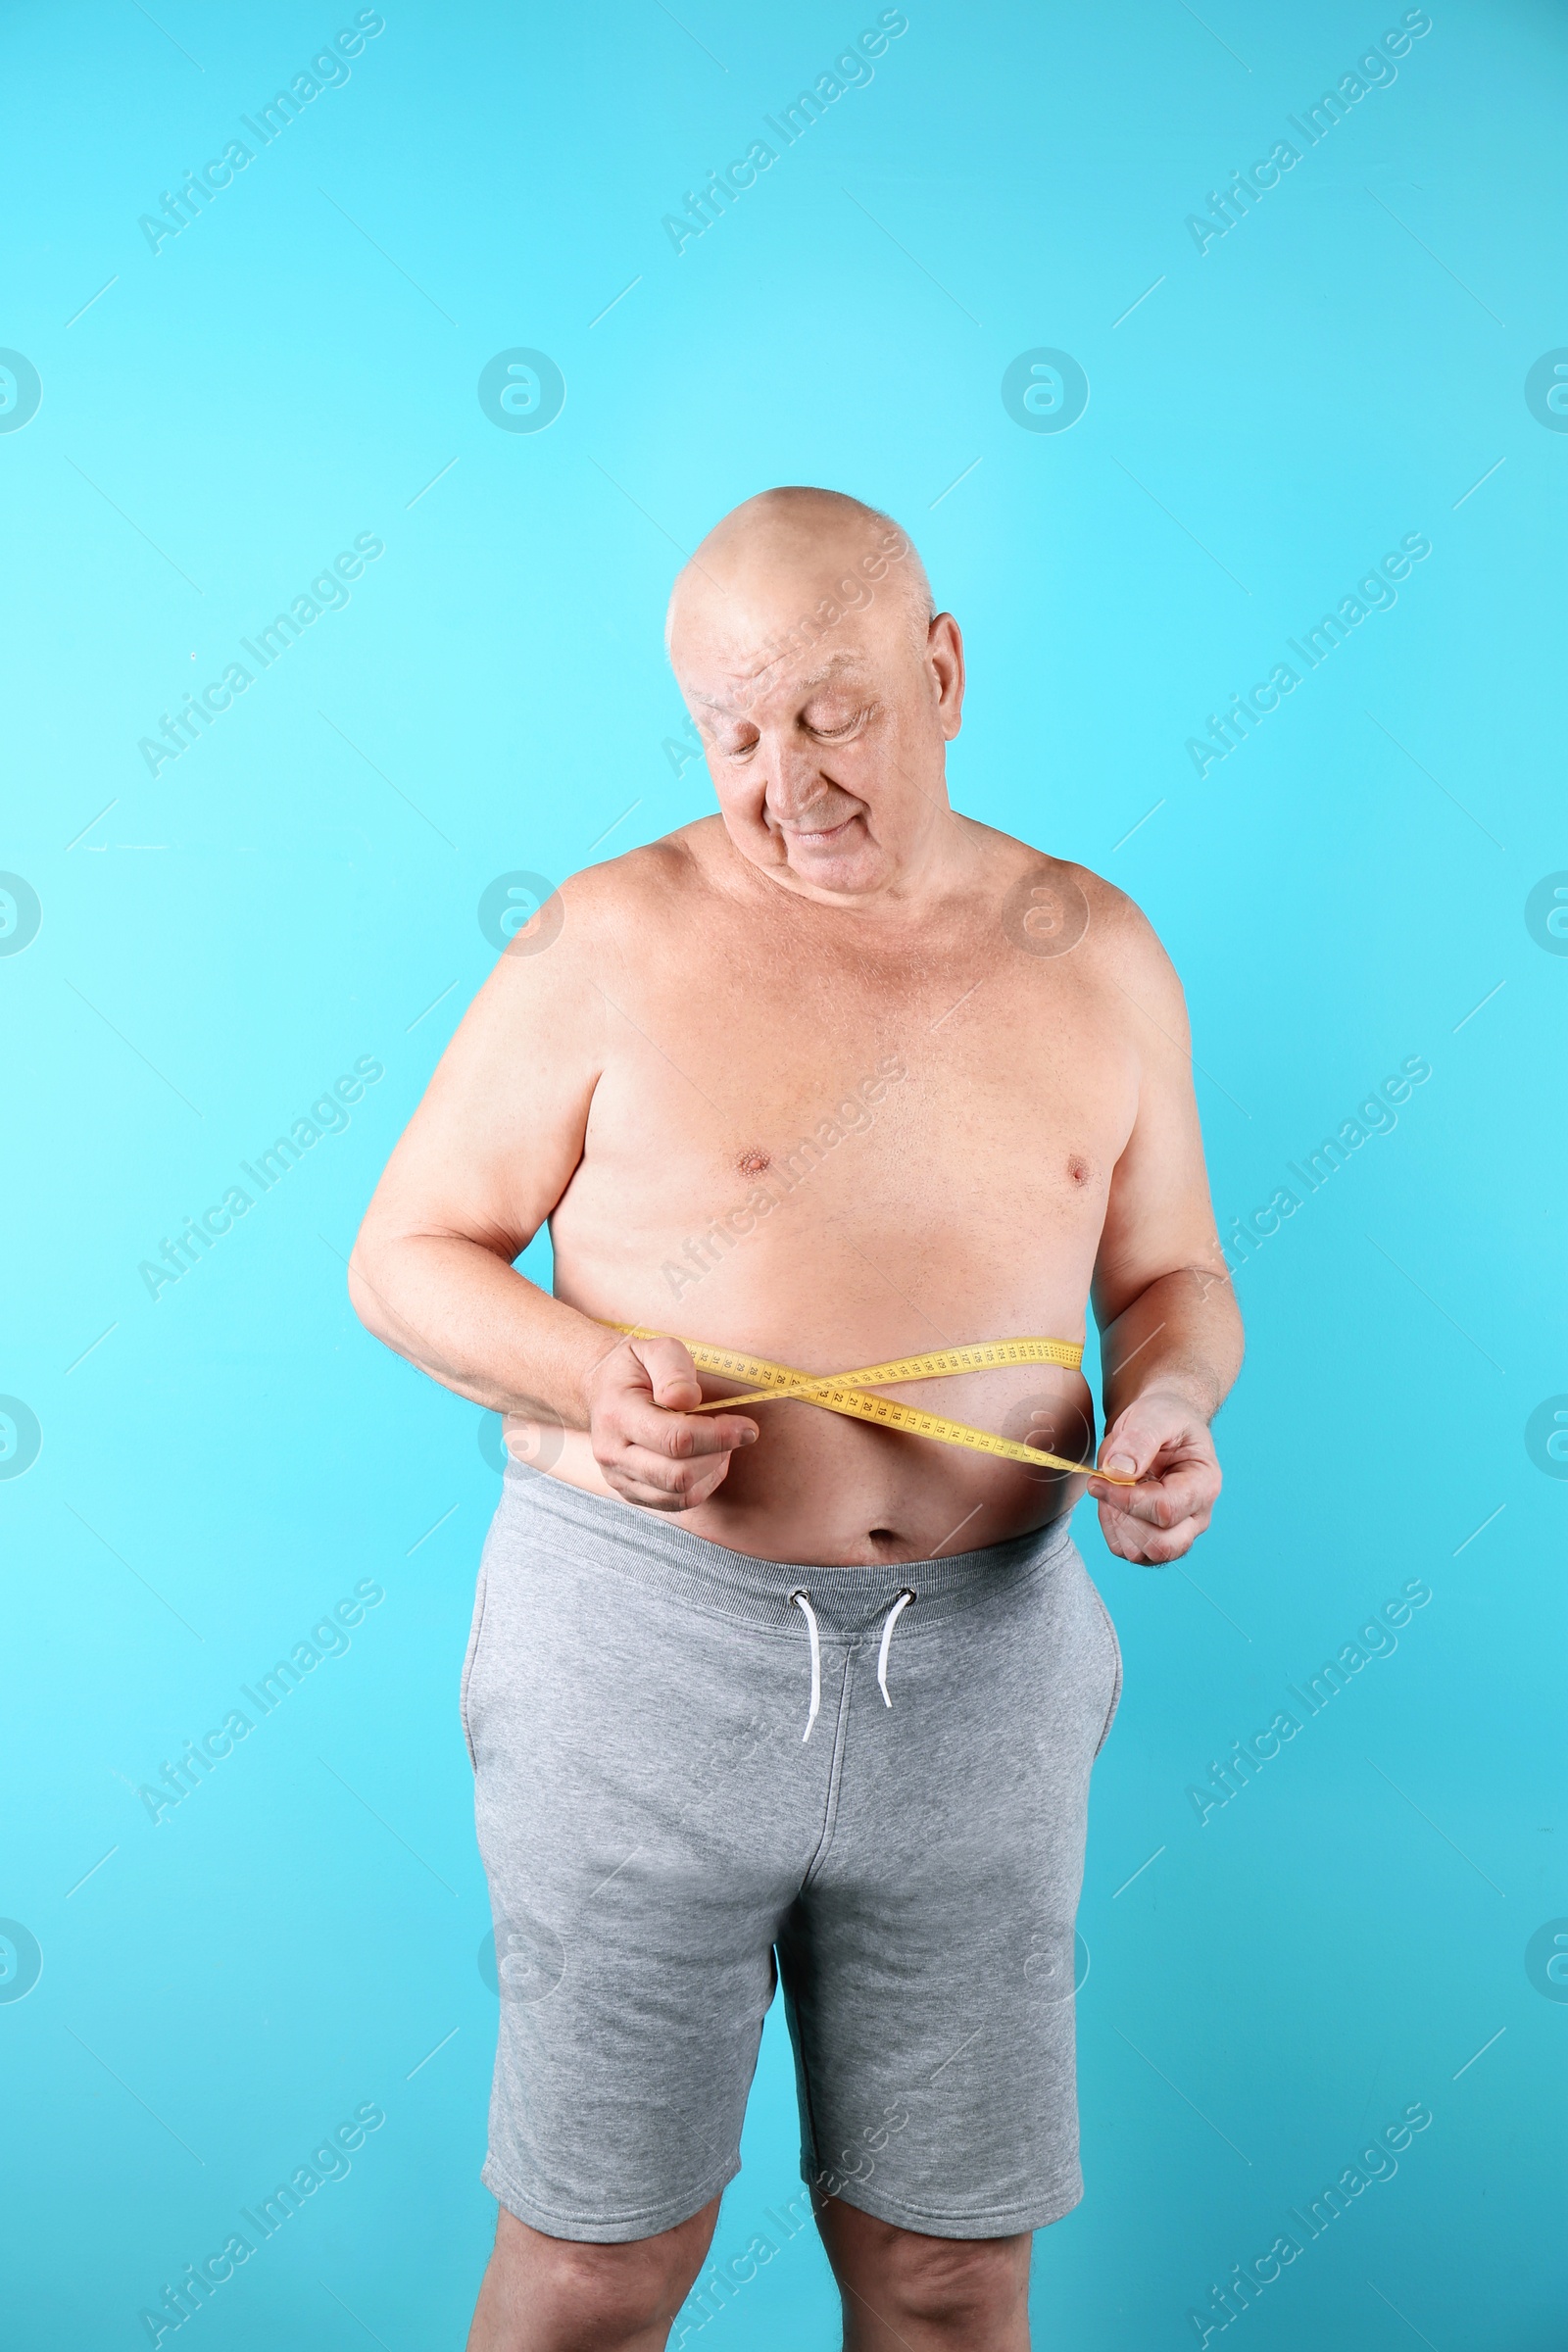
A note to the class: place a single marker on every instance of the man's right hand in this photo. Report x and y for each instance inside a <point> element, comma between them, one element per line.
<point>647,1440</point>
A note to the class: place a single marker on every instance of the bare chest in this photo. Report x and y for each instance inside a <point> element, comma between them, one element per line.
<point>960,1089</point>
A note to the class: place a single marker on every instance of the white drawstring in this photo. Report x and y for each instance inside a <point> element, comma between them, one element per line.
<point>803,1605</point>
<point>888,1623</point>
<point>801,1601</point>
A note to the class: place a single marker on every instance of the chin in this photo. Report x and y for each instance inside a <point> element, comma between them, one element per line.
<point>846,870</point>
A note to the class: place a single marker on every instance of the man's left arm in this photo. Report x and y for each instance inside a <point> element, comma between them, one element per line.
<point>1170,1331</point>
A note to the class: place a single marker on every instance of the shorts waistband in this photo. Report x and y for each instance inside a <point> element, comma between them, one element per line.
<point>656,1552</point>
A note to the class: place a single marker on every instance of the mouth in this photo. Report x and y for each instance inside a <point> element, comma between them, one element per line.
<point>819,837</point>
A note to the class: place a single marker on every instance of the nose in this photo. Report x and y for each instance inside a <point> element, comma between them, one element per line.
<point>795,784</point>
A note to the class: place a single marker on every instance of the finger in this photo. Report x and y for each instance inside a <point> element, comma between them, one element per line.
<point>649,1478</point>
<point>1151,1548</point>
<point>682,1436</point>
<point>653,1499</point>
<point>1156,1506</point>
<point>1128,1463</point>
<point>1141,1447</point>
<point>1164,1550</point>
<point>665,1439</point>
<point>1163,1500</point>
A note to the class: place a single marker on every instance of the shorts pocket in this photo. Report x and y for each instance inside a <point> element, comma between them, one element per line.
<point>475,1635</point>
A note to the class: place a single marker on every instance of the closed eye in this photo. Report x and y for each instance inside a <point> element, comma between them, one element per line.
<point>834,734</point>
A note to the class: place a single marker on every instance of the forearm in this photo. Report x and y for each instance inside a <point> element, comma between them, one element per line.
<point>469,1320</point>
<point>1182,1335</point>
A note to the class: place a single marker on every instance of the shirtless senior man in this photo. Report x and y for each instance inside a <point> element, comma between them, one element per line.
<point>835,1077</point>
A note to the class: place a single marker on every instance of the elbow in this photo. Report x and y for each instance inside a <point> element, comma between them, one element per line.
<point>365,1286</point>
<point>361,1298</point>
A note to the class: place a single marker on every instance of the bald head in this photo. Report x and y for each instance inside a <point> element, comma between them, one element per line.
<point>783,573</point>
<point>824,688</point>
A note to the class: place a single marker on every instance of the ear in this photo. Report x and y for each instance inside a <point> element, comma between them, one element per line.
<point>944,653</point>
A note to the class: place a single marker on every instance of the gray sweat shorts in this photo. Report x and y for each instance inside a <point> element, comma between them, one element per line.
<point>699,1773</point>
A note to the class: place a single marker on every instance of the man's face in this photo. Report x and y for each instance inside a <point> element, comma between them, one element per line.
<point>828,758</point>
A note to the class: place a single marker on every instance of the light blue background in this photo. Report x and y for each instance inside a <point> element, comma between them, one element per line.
<point>299,889</point>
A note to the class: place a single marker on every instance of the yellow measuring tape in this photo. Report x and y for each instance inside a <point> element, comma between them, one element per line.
<point>846,1392</point>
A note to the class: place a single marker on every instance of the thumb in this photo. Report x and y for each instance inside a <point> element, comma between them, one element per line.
<point>672,1372</point>
<point>1128,1448</point>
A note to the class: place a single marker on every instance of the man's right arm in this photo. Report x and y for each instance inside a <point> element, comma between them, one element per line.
<point>480,1166</point>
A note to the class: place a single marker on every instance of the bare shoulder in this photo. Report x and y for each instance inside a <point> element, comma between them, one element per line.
<point>1053,907</point>
<point>1122,935</point>
<point>642,888</point>
<point>598,918</point>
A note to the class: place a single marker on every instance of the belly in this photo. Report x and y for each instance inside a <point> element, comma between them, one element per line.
<point>936,1207</point>
<point>818,1487</point>
<point>823,1491</point>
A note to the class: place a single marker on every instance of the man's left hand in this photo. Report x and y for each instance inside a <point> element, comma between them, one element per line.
<point>1164,1441</point>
